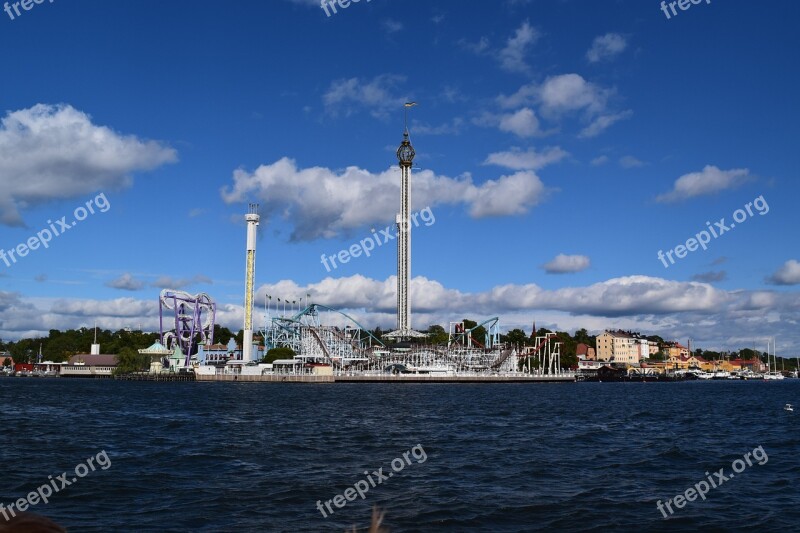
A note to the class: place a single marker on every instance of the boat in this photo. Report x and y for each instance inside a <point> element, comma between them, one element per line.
<point>788,407</point>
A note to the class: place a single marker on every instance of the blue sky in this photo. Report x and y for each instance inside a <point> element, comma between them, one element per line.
<point>560,146</point>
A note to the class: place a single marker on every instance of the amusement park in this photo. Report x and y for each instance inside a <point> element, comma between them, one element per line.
<point>328,345</point>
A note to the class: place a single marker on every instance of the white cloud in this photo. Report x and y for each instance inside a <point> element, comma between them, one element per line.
<point>570,92</point>
<point>509,195</point>
<point>601,160</point>
<point>320,202</point>
<point>377,96</point>
<point>628,161</point>
<point>453,127</point>
<point>516,159</point>
<point>523,123</point>
<point>564,95</point>
<point>126,282</point>
<point>603,122</point>
<point>512,56</point>
<point>672,309</point>
<point>606,47</point>
<point>710,180</point>
<point>55,152</point>
<point>567,264</point>
<point>788,274</point>
<point>392,26</point>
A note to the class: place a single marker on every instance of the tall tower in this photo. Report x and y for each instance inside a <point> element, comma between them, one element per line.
<point>252,219</point>
<point>405,155</point>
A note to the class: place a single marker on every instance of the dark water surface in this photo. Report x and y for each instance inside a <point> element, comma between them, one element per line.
<point>257,457</point>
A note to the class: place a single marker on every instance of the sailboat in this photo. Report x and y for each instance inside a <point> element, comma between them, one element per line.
<point>772,374</point>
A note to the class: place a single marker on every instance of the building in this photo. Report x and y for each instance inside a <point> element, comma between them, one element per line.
<point>674,349</point>
<point>89,366</point>
<point>619,347</point>
<point>158,354</point>
<point>584,352</point>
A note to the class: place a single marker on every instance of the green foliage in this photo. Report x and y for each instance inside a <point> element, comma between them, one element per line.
<point>515,337</point>
<point>582,337</point>
<point>478,334</point>
<point>437,335</point>
<point>6,362</point>
<point>59,346</point>
<point>222,335</point>
<point>747,353</point>
<point>239,338</point>
<point>130,360</point>
<point>283,352</point>
<point>658,356</point>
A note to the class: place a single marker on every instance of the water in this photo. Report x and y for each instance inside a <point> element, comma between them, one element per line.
<point>257,457</point>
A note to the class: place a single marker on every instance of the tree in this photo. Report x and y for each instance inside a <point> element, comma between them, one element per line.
<point>658,356</point>
<point>282,352</point>
<point>437,335</point>
<point>130,360</point>
<point>582,337</point>
<point>6,362</point>
<point>747,353</point>
<point>222,335</point>
<point>478,334</point>
<point>516,337</point>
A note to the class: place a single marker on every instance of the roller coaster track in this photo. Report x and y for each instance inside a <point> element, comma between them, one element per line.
<point>505,354</point>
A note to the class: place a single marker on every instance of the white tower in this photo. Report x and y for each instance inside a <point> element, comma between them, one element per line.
<point>405,155</point>
<point>252,219</point>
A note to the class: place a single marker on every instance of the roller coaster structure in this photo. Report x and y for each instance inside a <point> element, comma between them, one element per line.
<point>193,316</point>
<point>352,348</point>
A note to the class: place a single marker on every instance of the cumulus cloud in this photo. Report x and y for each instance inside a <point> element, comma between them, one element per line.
<point>567,264</point>
<point>522,123</point>
<point>377,96</point>
<point>321,203</point>
<point>710,180</point>
<point>600,160</point>
<point>565,95</point>
<point>606,47</point>
<point>52,152</point>
<point>672,309</point>
<point>126,282</point>
<point>531,159</point>
<point>570,92</point>
<point>788,274</point>
<point>512,56</point>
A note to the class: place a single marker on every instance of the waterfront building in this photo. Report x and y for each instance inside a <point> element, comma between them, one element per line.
<point>618,347</point>
<point>90,365</point>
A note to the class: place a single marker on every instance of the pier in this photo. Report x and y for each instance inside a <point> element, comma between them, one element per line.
<point>388,378</point>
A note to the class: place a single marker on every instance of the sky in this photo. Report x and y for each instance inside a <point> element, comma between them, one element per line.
<point>571,155</point>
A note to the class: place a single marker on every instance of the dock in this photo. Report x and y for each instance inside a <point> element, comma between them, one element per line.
<point>387,378</point>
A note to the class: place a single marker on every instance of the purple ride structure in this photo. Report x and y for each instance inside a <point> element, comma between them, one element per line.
<point>193,318</point>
